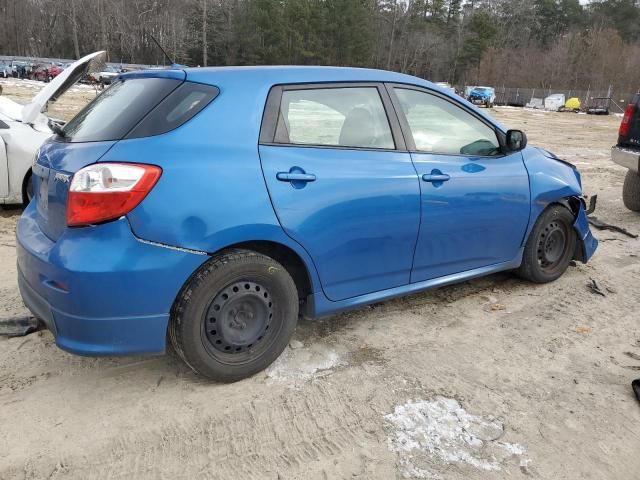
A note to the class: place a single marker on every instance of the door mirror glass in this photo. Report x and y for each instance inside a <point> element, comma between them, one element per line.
<point>516,140</point>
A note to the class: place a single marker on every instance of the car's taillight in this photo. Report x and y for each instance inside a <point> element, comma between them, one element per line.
<point>105,191</point>
<point>625,126</point>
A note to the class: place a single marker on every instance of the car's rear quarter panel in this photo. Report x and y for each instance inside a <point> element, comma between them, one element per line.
<point>212,192</point>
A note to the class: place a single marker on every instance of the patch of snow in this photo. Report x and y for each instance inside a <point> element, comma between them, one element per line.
<point>301,365</point>
<point>441,430</point>
<point>15,82</point>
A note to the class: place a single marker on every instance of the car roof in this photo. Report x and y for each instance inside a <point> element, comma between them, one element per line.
<point>251,78</point>
<point>274,75</point>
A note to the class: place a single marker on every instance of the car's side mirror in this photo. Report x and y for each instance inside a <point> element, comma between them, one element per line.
<point>516,140</point>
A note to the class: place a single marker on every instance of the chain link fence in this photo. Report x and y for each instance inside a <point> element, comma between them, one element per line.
<point>519,97</point>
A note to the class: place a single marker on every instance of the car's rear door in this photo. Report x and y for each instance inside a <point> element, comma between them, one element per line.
<point>475,199</point>
<point>342,183</point>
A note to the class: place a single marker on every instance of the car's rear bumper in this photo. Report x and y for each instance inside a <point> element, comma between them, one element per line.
<point>100,290</point>
<point>626,157</point>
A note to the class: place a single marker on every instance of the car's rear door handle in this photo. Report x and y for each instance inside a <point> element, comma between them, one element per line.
<point>295,177</point>
<point>435,177</point>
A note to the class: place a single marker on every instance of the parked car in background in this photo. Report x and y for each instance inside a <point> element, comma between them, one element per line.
<point>482,96</point>
<point>5,70</point>
<point>23,129</point>
<point>45,73</point>
<point>212,206</point>
<point>20,69</point>
<point>105,76</point>
<point>627,154</point>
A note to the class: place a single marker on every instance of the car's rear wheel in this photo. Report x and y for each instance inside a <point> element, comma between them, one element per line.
<point>550,246</point>
<point>235,316</point>
<point>631,191</point>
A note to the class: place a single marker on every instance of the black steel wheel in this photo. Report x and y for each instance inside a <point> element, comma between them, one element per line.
<point>550,247</point>
<point>235,316</point>
<point>238,319</point>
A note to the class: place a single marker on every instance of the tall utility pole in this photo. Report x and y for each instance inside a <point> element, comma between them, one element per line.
<point>204,33</point>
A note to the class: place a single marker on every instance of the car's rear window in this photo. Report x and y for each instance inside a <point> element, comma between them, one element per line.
<point>112,114</point>
<point>177,108</point>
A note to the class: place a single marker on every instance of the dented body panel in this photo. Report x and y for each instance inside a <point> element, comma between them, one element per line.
<point>553,180</point>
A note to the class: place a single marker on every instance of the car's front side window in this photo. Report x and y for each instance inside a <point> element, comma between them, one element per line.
<point>334,117</point>
<point>439,126</point>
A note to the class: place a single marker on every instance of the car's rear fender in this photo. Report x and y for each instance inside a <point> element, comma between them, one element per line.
<point>212,193</point>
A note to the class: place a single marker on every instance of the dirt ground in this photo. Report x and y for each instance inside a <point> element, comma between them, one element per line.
<point>490,379</point>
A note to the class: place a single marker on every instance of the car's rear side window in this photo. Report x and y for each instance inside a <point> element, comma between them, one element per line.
<point>177,108</point>
<point>112,114</point>
<point>334,117</point>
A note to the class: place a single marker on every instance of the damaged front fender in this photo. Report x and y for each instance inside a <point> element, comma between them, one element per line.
<point>552,180</point>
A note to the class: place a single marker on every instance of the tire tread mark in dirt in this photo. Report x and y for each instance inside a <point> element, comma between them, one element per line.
<point>288,433</point>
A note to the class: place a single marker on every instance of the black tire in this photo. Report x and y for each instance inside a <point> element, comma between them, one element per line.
<point>550,246</point>
<point>631,191</point>
<point>233,292</point>
<point>27,193</point>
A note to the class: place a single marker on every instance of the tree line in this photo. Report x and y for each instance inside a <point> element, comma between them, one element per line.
<point>525,43</point>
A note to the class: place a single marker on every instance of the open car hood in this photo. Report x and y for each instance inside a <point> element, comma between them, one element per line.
<point>61,83</point>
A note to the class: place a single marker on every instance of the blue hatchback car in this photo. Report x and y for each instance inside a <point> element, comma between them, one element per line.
<point>210,207</point>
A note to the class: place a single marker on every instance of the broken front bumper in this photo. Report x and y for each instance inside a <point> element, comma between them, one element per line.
<point>587,242</point>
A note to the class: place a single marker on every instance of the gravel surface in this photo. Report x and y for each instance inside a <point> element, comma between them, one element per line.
<point>490,379</point>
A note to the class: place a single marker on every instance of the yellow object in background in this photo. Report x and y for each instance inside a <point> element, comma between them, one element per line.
<point>573,104</point>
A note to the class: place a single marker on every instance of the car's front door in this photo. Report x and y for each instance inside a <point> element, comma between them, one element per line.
<point>342,184</point>
<point>475,199</point>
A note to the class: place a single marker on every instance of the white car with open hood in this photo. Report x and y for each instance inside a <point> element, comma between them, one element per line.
<point>24,128</point>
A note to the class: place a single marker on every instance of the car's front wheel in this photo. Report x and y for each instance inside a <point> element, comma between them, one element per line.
<point>550,246</point>
<point>235,316</point>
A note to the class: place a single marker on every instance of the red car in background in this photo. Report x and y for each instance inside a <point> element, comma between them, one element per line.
<point>45,73</point>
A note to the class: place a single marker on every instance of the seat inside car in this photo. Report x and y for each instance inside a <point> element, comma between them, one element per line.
<point>357,129</point>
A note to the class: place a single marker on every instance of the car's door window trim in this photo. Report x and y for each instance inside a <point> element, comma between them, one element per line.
<point>272,113</point>
<point>408,134</point>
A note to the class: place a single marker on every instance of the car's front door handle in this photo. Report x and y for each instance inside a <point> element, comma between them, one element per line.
<point>435,177</point>
<point>295,177</point>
